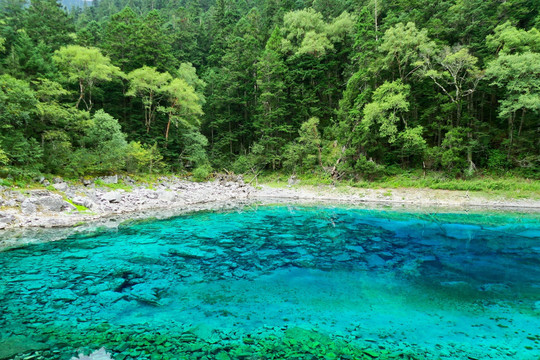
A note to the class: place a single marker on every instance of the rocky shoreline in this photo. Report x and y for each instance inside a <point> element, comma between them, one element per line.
<point>68,204</point>
<point>64,204</point>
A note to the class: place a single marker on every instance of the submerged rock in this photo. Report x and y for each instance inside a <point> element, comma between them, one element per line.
<point>190,253</point>
<point>150,292</point>
<point>356,248</point>
<point>109,297</point>
<point>18,344</point>
<point>64,295</point>
<point>374,260</point>
<point>496,288</point>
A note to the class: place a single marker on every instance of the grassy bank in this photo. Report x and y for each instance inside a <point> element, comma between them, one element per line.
<point>507,186</point>
<point>510,186</point>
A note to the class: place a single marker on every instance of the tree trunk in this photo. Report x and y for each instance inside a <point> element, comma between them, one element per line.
<point>510,134</point>
<point>81,95</point>
<point>521,122</point>
<point>375,15</point>
<point>472,166</point>
<point>167,131</point>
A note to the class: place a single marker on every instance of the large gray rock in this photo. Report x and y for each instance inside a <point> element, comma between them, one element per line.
<point>112,196</point>
<point>152,195</point>
<point>166,196</point>
<point>61,186</point>
<point>83,201</point>
<point>38,192</point>
<point>109,179</point>
<point>27,207</point>
<point>129,181</point>
<point>53,203</point>
<point>6,218</point>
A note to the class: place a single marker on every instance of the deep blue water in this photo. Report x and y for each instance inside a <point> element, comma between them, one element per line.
<point>380,283</point>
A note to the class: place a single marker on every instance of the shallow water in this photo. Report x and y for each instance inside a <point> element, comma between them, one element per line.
<point>281,282</point>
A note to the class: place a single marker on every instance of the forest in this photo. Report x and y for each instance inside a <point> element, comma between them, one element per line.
<point>347,89</point>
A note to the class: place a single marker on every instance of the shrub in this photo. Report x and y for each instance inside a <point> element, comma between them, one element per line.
<point>202,172</point>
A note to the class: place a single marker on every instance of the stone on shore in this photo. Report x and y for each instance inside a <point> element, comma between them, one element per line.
<point>112,196</point>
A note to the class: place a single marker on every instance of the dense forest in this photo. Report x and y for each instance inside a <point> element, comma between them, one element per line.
<point>351,89</point>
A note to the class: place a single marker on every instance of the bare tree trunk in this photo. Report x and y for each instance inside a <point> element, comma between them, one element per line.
<point>510,134</point>
<point>375,15</point>
<point>167,131</point>
<point>521,122</point>
<point>472,166</point>
<point>81,95</point>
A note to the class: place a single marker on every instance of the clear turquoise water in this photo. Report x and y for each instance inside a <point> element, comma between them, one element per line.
<point>281,282</point>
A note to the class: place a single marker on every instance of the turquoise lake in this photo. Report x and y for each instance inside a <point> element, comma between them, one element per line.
<point>273,282</point>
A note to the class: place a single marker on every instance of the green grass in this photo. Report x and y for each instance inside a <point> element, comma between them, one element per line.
<point>510,186</point>
<point>80,208</point>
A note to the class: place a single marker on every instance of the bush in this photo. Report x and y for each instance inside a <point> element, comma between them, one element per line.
<point>202,172</point>
<point>369,169</point>
<point>140,158</point>
<point>497,160</point>
<point>242,165</point>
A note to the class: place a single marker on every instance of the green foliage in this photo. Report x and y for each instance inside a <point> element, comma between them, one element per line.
<point>141,158</point>
<point>148,84</point>
<point>253,162</point>
<point>188,73</point>
<point>17,102</point>
<point>389,102</point>
<point>195,144</point>
<point>454,149</point>
<point>508,39</point>
<point>79,208</point>
<point>305,153</point>
<point>387,88</point>
<point>4,160</point>
<point>403,47</point>
<point>46,21</point>
<point>87,67</point>
<point>519,75</point>
<point>201,173</point>
<point>368,169</point>
<point>307,33</point>
<point>497,160</point>
<point>104,148</point>
<point>184,105</point>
